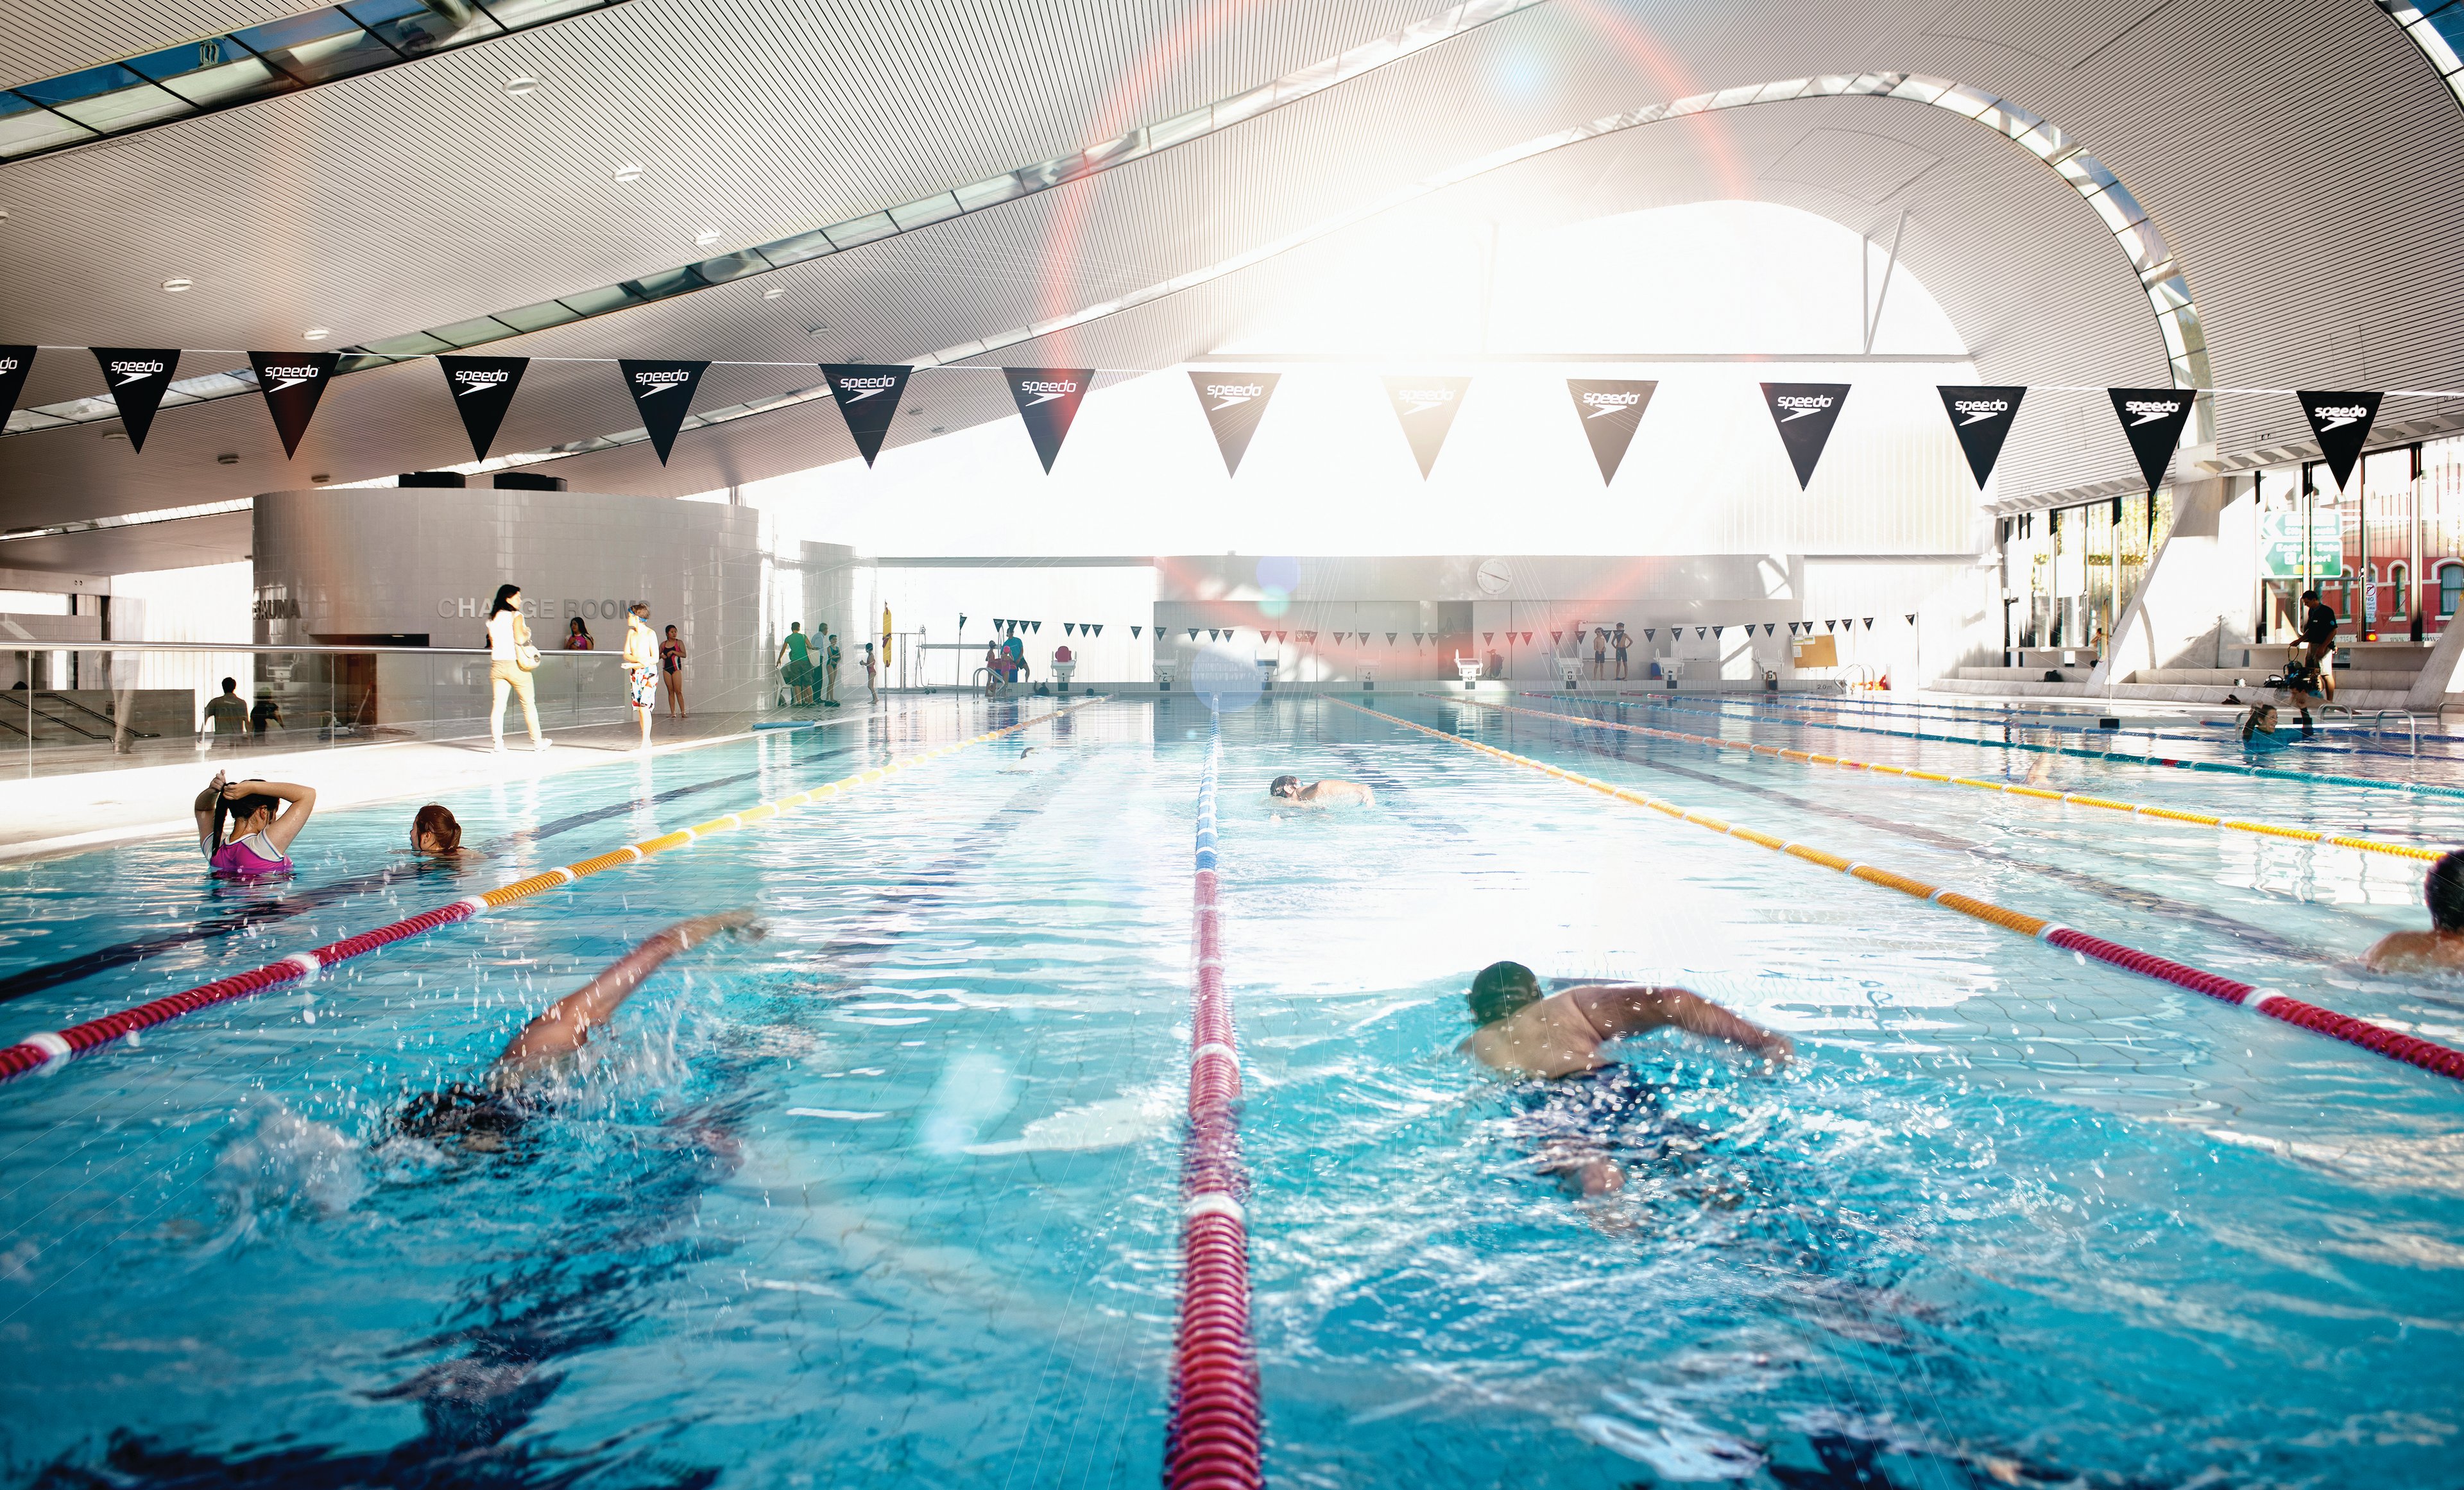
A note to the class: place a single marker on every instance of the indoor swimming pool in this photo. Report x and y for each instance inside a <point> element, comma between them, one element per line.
<point>889,1195</point>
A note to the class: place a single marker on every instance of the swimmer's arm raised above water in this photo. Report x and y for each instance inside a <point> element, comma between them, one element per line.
<point>1618,1010</point>
<point>567,1024</point>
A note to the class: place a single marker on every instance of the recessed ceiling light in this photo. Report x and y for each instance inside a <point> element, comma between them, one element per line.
<point>321,477</point>
<point>914,411</point>
<point>629,173</point>
<point>115,435</point>
<point>318,333</point>
<point>815,331</point>
<point>228,458</point>
<point>706,238</point>
<point>520,85</point>
<point>940,428</point>
<point>177,286</point>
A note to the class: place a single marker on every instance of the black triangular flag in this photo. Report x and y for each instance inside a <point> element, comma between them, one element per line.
<point>1611,411</point>
<point>483,389</point>
<point>1048,398</point>
<point>293,384</point>
<point>15,362</point>
<point>1099,627</point>
<point>1805,412</point>
<point>1912,618</point>
<point>1193,633</point>
<point>1649,631</point>
<point>867,396</point>
<point>1066,627</point>
<point>1036,626</point>
<point>1426,408</point>
<point>2153,419</point>
<point>1981,416</point>
<point>1390,637</point>
<point>1234,403</point>
<point>138,378</point>
<point>1133,632</point>
<point>1828,625</point>
<point>2342,422</point>
<point>662,393</point>
<point>1869,623</point>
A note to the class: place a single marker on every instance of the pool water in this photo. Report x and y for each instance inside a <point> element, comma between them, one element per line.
<point>888,1197</point>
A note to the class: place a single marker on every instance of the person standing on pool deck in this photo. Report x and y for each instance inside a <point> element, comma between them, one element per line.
<point>227,714</point>
<point>671,667</point>
<point>2318,622</point>
<point>830,671</point>
<point>504,1100</point>
<point>511,657</point>
<point>1621,642</point>
<point>2441,948</point>
<point>239,829</point>
<point>1525,1032</point>
<point>641,651</point>
<point>1599,653</point>
<point>796,665</point>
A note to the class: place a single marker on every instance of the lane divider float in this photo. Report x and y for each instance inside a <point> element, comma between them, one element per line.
<point>2367,846</point>
<point>45,1047</point>
<point>2067,722</point>
<point>2234,768</point>
<point>1212,1442</point>
<point>2381,1039</point>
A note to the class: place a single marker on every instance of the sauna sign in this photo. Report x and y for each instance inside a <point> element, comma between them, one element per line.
<point>2279,545</point>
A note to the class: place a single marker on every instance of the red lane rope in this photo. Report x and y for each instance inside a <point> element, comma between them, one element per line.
<point>1213,1441</point>
<point>38,1050</point>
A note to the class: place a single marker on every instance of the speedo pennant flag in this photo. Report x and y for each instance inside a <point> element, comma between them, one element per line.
<point>1611,410</point>
<point>1048,401</point>
<point>1426,408</point>
<point>1234,403</point>
<point>1981,416</point>
<point>294,383</point>
<point>2152,418</point>
<point>1805,412</point>
<point>15,362</point>
<point>663,392</point>
<point>138,378</point>
<point>483,389</point>
<point>867,395</point>
<point>2342,422</point>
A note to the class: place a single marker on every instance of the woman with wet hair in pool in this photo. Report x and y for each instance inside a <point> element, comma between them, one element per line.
<point>246,827</point>
<point>482,1114</point>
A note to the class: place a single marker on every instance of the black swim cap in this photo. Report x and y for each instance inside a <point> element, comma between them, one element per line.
<point>1501,989</point>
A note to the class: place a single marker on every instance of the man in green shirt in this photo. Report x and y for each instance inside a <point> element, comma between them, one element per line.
<point>797,654</point>
<point>227,714</point>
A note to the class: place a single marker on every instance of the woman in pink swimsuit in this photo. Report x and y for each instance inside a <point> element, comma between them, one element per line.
<point>246,827</point>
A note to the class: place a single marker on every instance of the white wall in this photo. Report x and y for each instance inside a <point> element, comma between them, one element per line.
<point>209,602</point>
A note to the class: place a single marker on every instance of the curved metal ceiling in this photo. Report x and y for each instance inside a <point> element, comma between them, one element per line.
<point>2302,209</point>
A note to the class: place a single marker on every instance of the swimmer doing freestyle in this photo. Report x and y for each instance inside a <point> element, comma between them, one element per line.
<point>1526,1031</point>
<point>481,1115</point>
<point>1289,790</point>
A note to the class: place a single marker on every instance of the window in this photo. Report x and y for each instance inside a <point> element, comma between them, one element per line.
<point>2400,580</point>
<point>2451,588</point>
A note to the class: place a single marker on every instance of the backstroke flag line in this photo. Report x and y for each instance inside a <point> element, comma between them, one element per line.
<point>1805,412</point>
<point>1048,401</point>
<point>294,383</point>
<point>1611,410</point>
<point>138,378</point>
<point>1234,403</point>
<point>2342,422</point>
<point>483,389</point>
<point>2152,418</point>
<point>1426,408</point>
<point>867,395</point>
<point>1982,418</point>
<point>663,392</point>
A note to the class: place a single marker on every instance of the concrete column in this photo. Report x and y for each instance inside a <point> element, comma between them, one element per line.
<point>2202,573</point>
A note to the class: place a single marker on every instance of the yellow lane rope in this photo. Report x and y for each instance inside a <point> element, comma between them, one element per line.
<point>2383,1039</point>
<point>2367,846</point>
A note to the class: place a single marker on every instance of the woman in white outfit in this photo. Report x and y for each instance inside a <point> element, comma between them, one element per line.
<point>511,657</point>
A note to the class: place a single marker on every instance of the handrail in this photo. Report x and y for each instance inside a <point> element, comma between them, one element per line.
<point>2378,730</point>
<point>278,647</point>
<point>60,696</point>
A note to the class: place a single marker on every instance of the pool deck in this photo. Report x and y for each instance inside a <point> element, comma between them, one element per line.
<point>59,814</point>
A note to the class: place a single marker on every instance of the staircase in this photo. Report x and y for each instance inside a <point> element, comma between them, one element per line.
<point>2368,675</point>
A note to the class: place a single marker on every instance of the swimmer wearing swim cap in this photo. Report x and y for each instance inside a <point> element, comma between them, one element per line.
<point>485,1114</point>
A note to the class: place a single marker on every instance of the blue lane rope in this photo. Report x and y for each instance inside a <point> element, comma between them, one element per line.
<point>2308,778</point>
